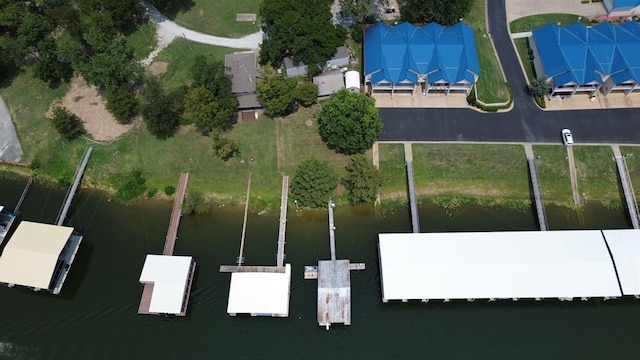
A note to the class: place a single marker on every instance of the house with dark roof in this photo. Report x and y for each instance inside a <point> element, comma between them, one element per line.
<point>243,70</point>
<point>622,7</point>
<point>429,58</point>
<point>341,58</point>
<point>329,83</point>
<point>580,59</point>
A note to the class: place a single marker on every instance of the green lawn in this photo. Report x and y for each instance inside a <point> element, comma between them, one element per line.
<point>529,23</point>
<point>632,158</point>
<point>28,100</point>
<point>490,87</point>
<point>522,46</point>
<point>489,173</point>
<point>180,54</point>
<point>143,40</point>
<point>393,172</point>
<point>298,140</point>
<point>219,17</point>
<point>553,174</point>
<point>597,175</point>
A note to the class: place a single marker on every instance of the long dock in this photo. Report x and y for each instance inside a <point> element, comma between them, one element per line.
<point>261,290</point>
<point>626,187</point>
<point>334,283</point>
<point>283,221</point>
<point>74,187</point>
<point>537,194</point>
<point>240,258</point>
<point>176,213</point>
<point>16,211</point>
<point>408,155</point>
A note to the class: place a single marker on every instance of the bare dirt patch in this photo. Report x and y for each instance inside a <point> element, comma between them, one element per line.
<point>158,68</point>
<point>86,102</point>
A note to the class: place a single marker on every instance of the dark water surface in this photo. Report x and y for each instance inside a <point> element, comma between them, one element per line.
<point>95,316</point>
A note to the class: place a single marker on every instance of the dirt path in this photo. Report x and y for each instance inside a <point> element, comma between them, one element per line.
<point>574,177</point>
<point>89,105</point>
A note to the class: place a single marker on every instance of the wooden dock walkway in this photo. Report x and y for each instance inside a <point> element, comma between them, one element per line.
<point>172,233</point>
<point>16,211</point>
<point>626,187</point>
<point>408,156</point>
<point>332,233</point>
<point>283,222</point>
<point>74,187</point>
<point>240,258</point>
<point>537,194</point>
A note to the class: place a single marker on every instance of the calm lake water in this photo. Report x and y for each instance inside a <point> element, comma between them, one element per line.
<point>95,317</point>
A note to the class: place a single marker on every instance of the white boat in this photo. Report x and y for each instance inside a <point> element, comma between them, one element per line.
<point>6,220</point>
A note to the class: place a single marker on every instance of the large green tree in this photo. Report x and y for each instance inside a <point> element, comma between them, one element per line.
<point>67,123</point>
<point>362,180</point>
<point>276,93</point>
<point>357,8</point>
<point>313,183</point>
<point>158,110</point>
<point>300,29</point>
<point>349,122</point>
<point>444,12</point>
<point>121,103</point>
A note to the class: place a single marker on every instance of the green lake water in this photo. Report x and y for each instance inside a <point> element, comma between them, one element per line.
<point>95,317</point>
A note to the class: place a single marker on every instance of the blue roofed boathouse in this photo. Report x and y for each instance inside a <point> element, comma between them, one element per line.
<point>580,59</point>
<point>432,58</point>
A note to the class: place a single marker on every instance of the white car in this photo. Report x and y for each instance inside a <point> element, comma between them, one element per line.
<point>567,138</point>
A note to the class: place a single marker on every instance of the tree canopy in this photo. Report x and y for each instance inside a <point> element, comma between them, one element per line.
<point>276,93</point>
<point>313,183</point>
<point>444,12</point>
<point>209,103</point>
<point>349,122</point>
<point>158,110</point>
<point>302,30</point>
<point>539,87</point>
<point>362,180</point>
<point>68,124</point>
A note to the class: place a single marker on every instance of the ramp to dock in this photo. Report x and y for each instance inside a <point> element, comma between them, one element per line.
<point>283,221</point>
<point>627,188</point>
<point>74,187</point>
<point>176,213</point>
<point>408,155</point>
<point>537,194</point>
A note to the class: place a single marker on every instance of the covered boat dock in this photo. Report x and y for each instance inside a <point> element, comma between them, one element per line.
<point>510,265</point>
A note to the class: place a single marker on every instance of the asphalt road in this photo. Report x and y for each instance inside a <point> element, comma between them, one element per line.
<point>524,123</point>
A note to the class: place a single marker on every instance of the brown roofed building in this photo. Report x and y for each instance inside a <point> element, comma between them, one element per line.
<point>243,70</point>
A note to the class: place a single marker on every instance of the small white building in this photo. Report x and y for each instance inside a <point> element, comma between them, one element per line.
<point>352,81</point>
<point>260,293</point>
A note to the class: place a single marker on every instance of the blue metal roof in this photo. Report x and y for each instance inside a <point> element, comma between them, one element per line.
<point>402,52</point>
<point>624,4</point>
<point>582,55</point>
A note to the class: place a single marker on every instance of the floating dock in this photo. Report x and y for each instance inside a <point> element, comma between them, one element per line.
<point>334,283</point>
<point>39,256</point>
<point>510,265</point>
<point>167,279</point>
<point>261,290</point>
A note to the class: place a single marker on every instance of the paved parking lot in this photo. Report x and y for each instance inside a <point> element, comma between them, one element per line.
<point>10,149</point>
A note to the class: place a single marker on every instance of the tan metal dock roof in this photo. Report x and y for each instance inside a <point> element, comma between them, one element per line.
<point>334,292</point>
<point>30,257</point>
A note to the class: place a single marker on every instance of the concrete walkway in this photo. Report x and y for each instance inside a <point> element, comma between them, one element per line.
<point>10,149</point>
<point>167,30</point>
<point>520,8</point>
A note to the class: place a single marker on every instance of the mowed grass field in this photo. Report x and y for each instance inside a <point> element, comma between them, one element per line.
<point>219,17</point>
<point>491,86</point>
<point>553,174</point>
<point>597,175</point>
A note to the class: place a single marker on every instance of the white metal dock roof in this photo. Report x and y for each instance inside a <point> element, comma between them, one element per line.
<point>485,265</point>
<point>169,275</point>
<point>625,248</point>
<point>30,256</point>
<point>260,293</point>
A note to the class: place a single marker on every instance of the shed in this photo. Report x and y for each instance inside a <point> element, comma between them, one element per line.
<point>352,80</point>
<point>329,83</point>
